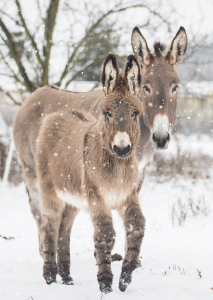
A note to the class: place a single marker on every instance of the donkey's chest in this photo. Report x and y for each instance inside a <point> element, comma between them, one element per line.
<point>114,198</point>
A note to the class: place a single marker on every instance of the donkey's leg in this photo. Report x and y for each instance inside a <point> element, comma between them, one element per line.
<point>104,238</point>
<point>141,179</point>
<point>34,199</point>
<point>53,209</point>
<point>63,248</point>
<point>134,222</point>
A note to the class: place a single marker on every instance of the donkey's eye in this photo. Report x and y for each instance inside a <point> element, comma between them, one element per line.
<point>174,89</point>
<point>109,115</point>
<point>147,89</point>
<point>134,113</point>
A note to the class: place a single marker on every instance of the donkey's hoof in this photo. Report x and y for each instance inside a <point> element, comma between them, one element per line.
<point>125,280</point>
<point>50,280</point>
<point>106,286</point>
<point>49,273</point>
<point>122,285</point>
<point>67,280</point>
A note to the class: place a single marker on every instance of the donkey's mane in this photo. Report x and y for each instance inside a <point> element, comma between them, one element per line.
<point>159,48</point>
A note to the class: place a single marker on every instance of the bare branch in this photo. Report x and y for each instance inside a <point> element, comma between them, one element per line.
<point>88,64</point>
<point>16,57</point>
<point>49,28</point>
<point>14,75</point>
<point>10,17</point>
<point>28,34</point>
<point>95,25</point>
<point>40,12</point>
<point>10,96</point>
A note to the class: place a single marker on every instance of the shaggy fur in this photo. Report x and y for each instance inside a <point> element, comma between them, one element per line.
<point>159,48</point>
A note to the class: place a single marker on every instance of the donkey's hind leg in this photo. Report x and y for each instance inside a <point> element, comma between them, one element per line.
<point>53,209</point>
<point>34,200</point>
<point>63,247</point>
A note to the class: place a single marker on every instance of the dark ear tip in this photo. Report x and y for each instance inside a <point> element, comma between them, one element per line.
<point>129,63</point>
<point>110,56</point>
<point>136,29</point>
<point>182,29</point>
<point>131,58</point>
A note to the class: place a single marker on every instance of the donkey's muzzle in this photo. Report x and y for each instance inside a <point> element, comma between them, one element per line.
<point>122,152</point>
<point>160,141</point>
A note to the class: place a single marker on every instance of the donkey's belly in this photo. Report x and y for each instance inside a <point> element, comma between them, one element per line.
<point>78,201</point>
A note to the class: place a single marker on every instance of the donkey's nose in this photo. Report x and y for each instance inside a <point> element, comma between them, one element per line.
<point>121,144</point>
<point>161,141</point>
<point>121,152</point>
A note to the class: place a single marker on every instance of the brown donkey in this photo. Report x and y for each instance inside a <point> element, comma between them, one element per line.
<point>158,93</point>
<point>87,163</point>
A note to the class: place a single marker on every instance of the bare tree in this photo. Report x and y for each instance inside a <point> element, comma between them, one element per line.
<point>64,41</point>
<point>59,41</point>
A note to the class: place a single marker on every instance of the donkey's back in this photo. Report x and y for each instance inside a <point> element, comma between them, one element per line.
<point>42,102</point>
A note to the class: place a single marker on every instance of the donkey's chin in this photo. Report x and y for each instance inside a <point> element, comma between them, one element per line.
<point>121,152</point>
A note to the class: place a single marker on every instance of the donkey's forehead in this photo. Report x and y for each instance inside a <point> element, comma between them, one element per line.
<point>160,72</point>
<point>121,101</point>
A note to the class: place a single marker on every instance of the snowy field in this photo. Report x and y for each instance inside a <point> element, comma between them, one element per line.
<point>172,256</point>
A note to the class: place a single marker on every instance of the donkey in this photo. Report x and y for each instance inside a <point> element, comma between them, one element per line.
<point>158,94</point>
<point>84,163</point>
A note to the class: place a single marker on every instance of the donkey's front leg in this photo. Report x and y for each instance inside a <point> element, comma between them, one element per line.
<point>49,236</point>
<point>63,251</point>
<point>134,222</point>
<point>104,238</point>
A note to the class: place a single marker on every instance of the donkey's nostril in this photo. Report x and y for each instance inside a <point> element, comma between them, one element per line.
<point>121,152</point>
<point>161,142</point>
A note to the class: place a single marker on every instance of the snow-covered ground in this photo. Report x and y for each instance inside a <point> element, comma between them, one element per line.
<point>171,255</point>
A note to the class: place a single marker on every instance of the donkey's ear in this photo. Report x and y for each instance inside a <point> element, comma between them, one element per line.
<point>109,73</point>
<point>178,48</point>
<point>140,48</point>
<point>132,76</point>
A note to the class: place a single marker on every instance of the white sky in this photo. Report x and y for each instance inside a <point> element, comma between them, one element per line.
<point>191,11</point>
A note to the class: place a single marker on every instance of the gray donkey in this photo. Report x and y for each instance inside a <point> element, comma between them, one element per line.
<point>84,163</point>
